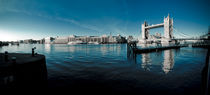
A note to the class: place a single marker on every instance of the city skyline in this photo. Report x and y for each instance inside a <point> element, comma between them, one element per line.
<point>37,19</point>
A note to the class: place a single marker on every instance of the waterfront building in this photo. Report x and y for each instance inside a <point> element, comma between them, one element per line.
<point>82,38</point>
<point>85,39</point>
<point>49,40</point>
<point>61,40</point>
<point>42,41</point>
<point>72,38</point>
<point>130,38</point>
<point>20,41</point>
<point>112,39</point>
<point>104,39</point>
<point>121,39</point>
<point>28,41</point>
<point>94,39</point>
<point>99,39</point>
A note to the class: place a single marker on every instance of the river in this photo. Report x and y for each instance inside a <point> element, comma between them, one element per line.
<point>110,66</point>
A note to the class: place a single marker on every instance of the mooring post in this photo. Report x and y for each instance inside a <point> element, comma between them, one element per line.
<point>6,56</point>
<point>33,51</point>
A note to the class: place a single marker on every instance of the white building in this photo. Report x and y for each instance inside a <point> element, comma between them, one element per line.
<point>49,40</point>
<point>85,39</point>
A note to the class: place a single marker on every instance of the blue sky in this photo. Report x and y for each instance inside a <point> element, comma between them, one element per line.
<point>24,19</point>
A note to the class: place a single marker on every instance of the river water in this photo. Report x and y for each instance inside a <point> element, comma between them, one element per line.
<point>109,66</point>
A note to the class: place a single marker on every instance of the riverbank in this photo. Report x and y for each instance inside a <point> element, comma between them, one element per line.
<point>22,70</point>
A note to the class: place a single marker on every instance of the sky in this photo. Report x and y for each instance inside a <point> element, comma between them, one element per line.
<point>37,19</point>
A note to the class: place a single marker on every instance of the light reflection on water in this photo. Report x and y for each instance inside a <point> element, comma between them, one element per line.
<point>112,62</point>
<point>168,62</point>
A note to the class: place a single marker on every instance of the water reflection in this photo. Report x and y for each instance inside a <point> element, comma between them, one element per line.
<point>47,48</point>
<point>163,59</point>
<point>168,62</point>
<point>71,49</point>
<point>131,56</point>
<point>146,61</point>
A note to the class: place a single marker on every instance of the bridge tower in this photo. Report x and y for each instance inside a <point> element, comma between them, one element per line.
<point>145,32</point>
<point>168,28</point>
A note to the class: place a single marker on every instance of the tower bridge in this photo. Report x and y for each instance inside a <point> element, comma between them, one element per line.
<point>168,30</point>
<point>168,41</point>
<point>168,37</point>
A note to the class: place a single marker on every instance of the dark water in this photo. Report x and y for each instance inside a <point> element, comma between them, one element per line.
<point>110,67</point>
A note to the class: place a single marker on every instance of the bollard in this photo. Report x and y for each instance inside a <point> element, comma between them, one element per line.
<point>33,51</point>
<point>14,60</point>
<point>6,56</point>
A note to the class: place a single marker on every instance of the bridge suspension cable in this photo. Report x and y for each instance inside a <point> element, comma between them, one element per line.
<point>181,34</point>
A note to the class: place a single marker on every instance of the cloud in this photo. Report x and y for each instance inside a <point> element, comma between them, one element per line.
<point>113,27</point>
<point>29,13</point>
<point>19,11</point>
<point>87,26</point>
